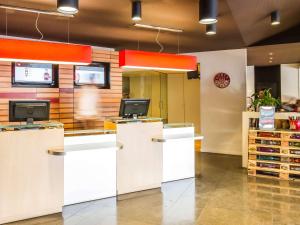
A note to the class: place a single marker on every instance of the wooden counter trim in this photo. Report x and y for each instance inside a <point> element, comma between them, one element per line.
<point>59,151</point>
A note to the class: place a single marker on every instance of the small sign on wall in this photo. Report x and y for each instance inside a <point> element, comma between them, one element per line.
<point>222,80</point>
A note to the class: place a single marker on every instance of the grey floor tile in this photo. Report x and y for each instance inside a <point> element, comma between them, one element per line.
<point>221,194</point>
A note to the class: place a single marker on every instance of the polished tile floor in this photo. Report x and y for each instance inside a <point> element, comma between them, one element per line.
<point>221,194</point>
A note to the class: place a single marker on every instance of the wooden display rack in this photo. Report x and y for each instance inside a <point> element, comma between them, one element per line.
<point>273,154</point>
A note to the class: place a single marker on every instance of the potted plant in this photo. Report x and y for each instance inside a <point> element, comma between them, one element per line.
<point>264,98</point>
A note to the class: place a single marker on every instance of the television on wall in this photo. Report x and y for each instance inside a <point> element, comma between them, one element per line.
<point>34,74</point>
<point>94,74</point>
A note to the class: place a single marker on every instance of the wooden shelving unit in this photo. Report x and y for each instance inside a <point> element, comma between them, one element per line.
<point>274,154</point>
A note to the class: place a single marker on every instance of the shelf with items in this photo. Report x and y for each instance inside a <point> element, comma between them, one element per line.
<point>274,154</point>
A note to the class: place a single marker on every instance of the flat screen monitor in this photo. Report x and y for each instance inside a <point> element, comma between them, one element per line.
<point>34,74</point>
<point>95,73</point>
<point>29,111</point>
<point>130,108</point>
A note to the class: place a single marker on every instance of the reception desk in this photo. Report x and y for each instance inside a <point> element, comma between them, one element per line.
<point>44,168</point>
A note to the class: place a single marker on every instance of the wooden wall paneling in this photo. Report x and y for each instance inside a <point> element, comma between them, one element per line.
<point>5,75</point>
<point>65,97</point>
<point>109,101</point>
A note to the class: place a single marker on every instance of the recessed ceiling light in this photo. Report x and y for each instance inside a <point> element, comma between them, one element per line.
<point>271,58</point>
<point>271,53</point>
<point>208,10</point>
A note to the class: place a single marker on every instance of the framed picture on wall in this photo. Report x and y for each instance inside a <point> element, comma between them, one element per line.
<point>34,75</point>
<point>97,73</point>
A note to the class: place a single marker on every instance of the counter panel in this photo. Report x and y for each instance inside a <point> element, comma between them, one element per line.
<point>139,163</point>
<point>90,168</point>
<point>31,180</point>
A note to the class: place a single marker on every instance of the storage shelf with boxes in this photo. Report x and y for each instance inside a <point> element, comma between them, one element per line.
<point>274,154</point>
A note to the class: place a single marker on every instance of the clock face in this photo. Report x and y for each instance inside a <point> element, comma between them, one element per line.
<point>222,80</point>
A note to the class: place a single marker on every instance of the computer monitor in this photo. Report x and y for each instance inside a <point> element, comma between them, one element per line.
<point>133,108</point>
<point>29,111</point>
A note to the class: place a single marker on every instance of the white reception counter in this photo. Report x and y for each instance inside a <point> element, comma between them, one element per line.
<point>42,170</point>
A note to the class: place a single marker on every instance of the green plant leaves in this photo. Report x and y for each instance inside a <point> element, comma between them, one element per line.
<point>265,100</point>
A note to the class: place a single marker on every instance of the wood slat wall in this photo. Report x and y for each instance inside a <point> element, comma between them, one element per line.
<point>63,99</point>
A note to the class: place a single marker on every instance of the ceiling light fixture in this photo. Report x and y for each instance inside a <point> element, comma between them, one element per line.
<point>44,52</point>
<point>208,10</point>
<point>157,28</point>
<point>30,10</point>
<point>275,18</point>
<point>67,6</point>
<point>136,10</point>
<point>211,29</point>
<point>131,59</point>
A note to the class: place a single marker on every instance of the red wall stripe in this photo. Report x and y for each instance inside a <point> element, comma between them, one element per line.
<point>66,90</point>
<point>52,100</point>
<point>21,95</point>
<point>18,95</point>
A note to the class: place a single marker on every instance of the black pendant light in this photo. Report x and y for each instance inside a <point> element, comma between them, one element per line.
<point>208,11</point>
<point>275,18</point>
<point>211,29</point>
<point>136,10</point>
<point>67,6</point>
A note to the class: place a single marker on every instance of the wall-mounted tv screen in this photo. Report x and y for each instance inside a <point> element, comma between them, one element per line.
<point>95,73</point>
<point>34,74</point>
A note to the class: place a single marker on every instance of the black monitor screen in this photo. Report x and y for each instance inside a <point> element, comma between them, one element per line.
<point>131,107</point>
<point>95,73</point>
<point>29,111</point>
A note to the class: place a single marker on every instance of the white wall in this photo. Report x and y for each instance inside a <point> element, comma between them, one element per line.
<point>289,82</point>
<point>221,109</point>
<point>250,84</point>
<point>250,81</point>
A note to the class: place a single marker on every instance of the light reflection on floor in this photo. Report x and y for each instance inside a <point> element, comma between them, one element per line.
<point>221,194</point>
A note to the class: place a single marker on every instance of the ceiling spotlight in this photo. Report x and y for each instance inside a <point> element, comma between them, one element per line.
<point>208,10</point>
<point>67,6</point>
<point>275,18</point>
<point>211,29</point>
<point>136,10</point>
<point>271,53</point>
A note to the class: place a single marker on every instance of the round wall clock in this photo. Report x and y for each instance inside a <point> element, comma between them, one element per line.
<point>222,80</point>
